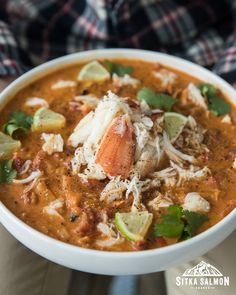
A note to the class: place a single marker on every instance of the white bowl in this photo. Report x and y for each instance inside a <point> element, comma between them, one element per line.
<point>104,262</point>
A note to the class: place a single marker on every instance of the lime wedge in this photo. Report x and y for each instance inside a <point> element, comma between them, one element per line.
<point>8,146</point>
<point>47,120</point>
<point>174,124</point>
<point>133,226</point>
<point>93,71</point>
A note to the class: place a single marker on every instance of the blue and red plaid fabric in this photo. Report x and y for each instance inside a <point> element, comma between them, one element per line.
<point>34,31</point>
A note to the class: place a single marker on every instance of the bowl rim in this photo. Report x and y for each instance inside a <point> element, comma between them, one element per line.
<point>67,60</point>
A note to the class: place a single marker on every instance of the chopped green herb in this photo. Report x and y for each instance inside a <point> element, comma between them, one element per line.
<point>7,173</point>
<point>176,210</point>
<point>194,221</point>
<point>179,223</point>
<point>216,104</point>
<point>156,99</point>
<point>207,89</point>
<point>171,226</point>
<point>120,70</point>
<point>18,121</point>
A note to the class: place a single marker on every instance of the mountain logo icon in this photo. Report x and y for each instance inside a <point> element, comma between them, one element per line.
<point>202,269</point>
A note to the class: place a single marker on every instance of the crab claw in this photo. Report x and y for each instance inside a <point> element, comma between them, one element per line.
<point>116,151</point>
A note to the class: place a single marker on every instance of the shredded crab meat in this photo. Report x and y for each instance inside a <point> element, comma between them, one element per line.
<point>159,151</point>
<point>192,137</point>
<point>34,175</point>
<point>147,153</point>
<point>125,80</point>
<point>167,77</point>
<point>142,118</point>
<point>106,229</point>
<point>32,185</point>
<point>113,190</point>
<point>63,84</point>
<point>53,143</point>
<point>226,119</point>
<point>93,171</point>
<point>192,173</point>
<point>110,237</point>
<point>145,109</point>
<point>157,111</point>
<point>134,186</point>
<point>159,202</point>
<point>192,122</point>
<point>148,184</point>
<point>194,202</point>
<point>176,175</point>
<point>53,207</point>
<point>78,160</point>
<point>158,126</point>
<point>87,99</point>
<point>194,94</point>
<point>82,130</point>
<point>147,161</point>
<point>167,175</point>
<point>90,101</point>
<point>36,101</point>
<point>141,131</point>
<point>174,154</point>
<point>26,166</point>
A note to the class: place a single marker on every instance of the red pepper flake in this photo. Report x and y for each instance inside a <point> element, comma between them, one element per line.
<point>17,163</point>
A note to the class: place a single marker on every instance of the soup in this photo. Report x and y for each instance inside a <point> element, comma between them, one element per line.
<point>118,155</point>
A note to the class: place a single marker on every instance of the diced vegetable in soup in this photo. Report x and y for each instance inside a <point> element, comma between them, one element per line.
<point>119,155</point>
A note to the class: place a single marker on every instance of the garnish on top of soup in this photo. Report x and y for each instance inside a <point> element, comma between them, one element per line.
<point>119,155</point>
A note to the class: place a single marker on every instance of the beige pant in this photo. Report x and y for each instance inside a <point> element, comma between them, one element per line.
<point>24,273</point>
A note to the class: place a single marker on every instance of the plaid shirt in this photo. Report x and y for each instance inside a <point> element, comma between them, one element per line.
<point>34,31</point>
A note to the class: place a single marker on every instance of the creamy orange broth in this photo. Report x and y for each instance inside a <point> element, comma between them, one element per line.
<point>220,139</point>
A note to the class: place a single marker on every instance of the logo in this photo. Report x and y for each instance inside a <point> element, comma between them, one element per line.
<point>202,276</point>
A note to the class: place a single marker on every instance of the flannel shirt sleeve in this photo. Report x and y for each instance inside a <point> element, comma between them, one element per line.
<point>226,65</point>
<point>10,64</point>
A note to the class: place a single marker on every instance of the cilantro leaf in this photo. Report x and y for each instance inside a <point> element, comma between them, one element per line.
<point>216,104</point>
<point>120,70</point>
<point>179,223</point>
<point>194,221</point>
<point>186,233</point>
<point>176,210</point>
<point>207,89</point>
<point>171,225</point>
<point>156,99</point>
<point>7,173</point>
<point>18,121</point>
